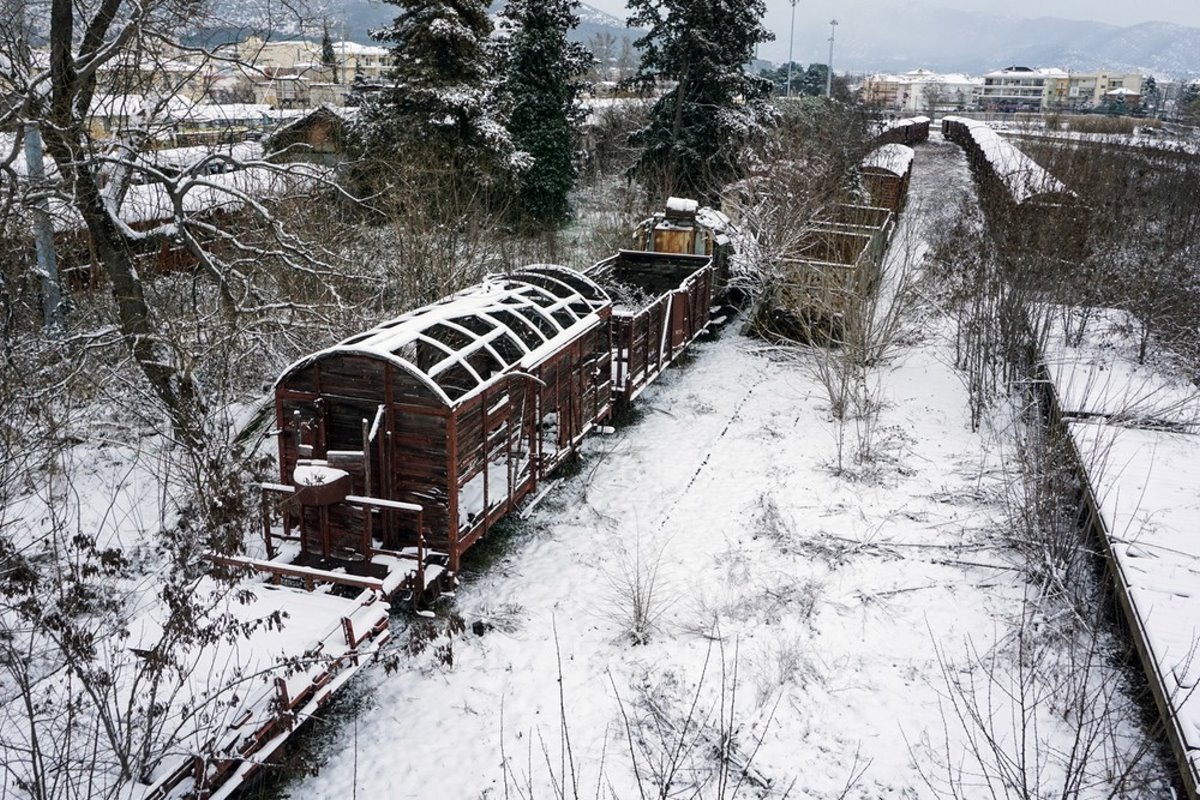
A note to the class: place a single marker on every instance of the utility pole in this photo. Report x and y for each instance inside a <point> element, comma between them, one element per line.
<point>43,232</point>
<point>829,77</point>
<point>791,42</point>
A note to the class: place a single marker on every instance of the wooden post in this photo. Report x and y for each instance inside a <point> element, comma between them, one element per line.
<point>326,538</point>
<point>452,487</point>
<point>366,450</point>
<point>367,490</point>
<point>348,632</point>
<point>419,589</point>
<point>266,523</point>
<point>487,453</point>
<point>385,490</point>
<point>285,702</point>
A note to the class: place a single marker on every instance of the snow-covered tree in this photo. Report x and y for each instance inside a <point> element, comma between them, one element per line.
<point>542,82</point>
<point>698,128</point>
<point>439,109</point>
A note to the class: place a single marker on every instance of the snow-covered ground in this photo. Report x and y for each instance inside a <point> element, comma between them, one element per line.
<point>1134,430</point>
<point>819,617</point>
<point>715,578</point>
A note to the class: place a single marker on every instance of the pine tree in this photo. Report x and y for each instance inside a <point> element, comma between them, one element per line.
<point>1150,94</point>
<point>328,56</point>
<point>542,83</point>
<point>439,111</point>
<point>696,131</point>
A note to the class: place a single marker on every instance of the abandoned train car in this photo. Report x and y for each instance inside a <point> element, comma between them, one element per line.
<point>401,447</point>
<point>913,130</point>
<point>662,302</point>
<point>427,429</point>
<point>1033,208</point>
<point>885,174</point>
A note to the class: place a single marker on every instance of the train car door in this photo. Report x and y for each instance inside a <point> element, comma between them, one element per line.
<point>680,315</point>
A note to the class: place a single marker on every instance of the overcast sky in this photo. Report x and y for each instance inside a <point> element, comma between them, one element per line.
<point>1116,12</point>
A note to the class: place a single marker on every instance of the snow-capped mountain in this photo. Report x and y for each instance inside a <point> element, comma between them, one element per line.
<point>358,17</point>
<point>873,35</point>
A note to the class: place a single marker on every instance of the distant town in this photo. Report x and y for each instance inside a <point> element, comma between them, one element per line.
<point>264,83</point>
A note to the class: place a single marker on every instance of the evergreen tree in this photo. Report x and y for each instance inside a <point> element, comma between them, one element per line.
<point>438,110</point>
<point>1188,103</point>
<point>814,79</point>
<point>542,83</point>
<point>1150,95</point>
<point>328,56</point>
<point>696,131</point>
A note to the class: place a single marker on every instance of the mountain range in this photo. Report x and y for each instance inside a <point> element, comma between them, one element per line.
<point>358,17</point>
<point>877,35</point>
<point>972,42</point>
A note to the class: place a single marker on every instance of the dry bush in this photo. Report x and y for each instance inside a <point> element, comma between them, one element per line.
<point>697,743</point>
<point>606,147</point>
<point>1040,713</point>
<point>640,593</point>
<point>1098,123</point>
<point>1140,220</point>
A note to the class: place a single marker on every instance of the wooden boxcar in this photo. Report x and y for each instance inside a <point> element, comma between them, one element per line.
<point>1033,209</point>
<point>661,302</point>
<point>885,173</point>
<point>912,130</point>
<point>427,429</point>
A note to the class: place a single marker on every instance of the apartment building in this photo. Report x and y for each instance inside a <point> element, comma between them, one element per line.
<point>922,91</point>
<point>1028,89</point>
<point>1023,88</point>
<point>1092,89</point>
<point>291,74</point>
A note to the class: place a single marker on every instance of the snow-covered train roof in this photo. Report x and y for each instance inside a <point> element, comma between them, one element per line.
<point>894,158</point>
<point>481,333</point>
<point>1024,177</point>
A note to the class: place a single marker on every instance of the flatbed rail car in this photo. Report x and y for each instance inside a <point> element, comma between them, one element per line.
<point>663,301</point>
<point>400,447</point>
<point>283,676</point>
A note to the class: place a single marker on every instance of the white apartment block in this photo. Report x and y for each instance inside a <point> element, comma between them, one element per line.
<point>291,74</point>
<point>1021,88</point>
<point>922,91</point>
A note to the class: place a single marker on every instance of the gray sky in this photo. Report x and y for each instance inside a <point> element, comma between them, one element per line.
<point>810,13</point>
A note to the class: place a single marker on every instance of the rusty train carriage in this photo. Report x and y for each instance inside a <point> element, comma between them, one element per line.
<point>886,172</point>
<point>1036,210</point>
<point>913,130</point>
<point>648,336</point>
<point>423,432</point>
<point>878,223</point>
<point>832,265</point>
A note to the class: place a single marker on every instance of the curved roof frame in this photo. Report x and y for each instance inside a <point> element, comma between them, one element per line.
<point>548,300</point>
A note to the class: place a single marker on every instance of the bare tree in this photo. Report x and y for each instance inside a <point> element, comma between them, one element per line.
<point>131,61</point>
